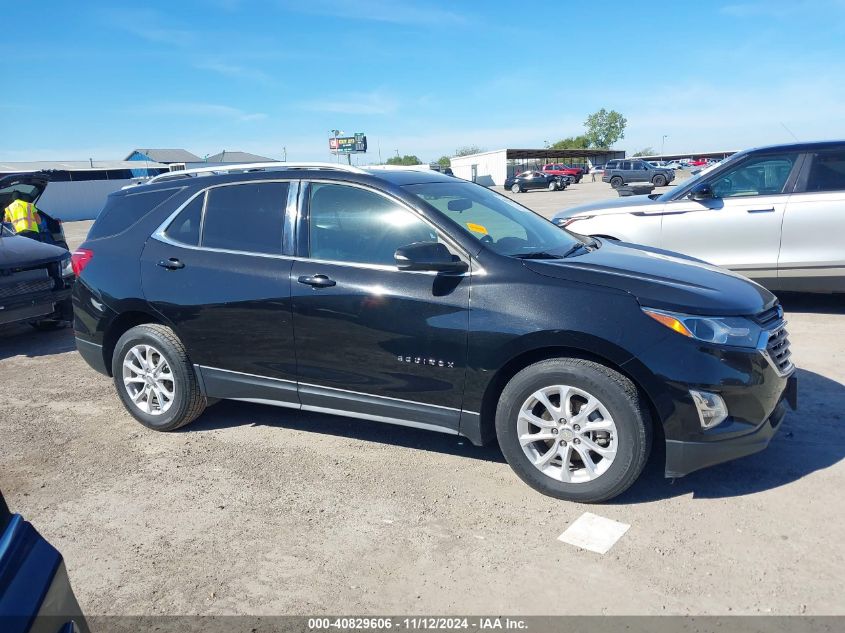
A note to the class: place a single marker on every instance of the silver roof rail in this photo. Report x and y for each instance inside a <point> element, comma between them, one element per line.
<point>274,166</point>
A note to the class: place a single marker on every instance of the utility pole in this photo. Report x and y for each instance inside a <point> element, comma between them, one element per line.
<point>663,145</point>
<point>285,154</point>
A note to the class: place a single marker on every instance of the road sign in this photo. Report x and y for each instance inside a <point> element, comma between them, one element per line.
<point>348,144</point>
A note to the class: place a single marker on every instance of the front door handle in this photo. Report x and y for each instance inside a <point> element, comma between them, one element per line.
<point>171,264</point>
<point>766,210</point>
<point>317,281</point>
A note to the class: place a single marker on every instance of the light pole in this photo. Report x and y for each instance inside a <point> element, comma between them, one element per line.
<point>663,145</point>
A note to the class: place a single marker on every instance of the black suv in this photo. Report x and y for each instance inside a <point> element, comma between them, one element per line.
<point>414,298</point>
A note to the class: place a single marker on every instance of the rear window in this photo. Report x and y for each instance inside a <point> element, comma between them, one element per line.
<point>121,212</point>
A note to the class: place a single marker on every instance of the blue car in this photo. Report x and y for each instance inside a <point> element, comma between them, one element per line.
<point>35,592</point>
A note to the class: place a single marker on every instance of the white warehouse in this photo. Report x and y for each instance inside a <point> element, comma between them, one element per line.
<point>491,168</point>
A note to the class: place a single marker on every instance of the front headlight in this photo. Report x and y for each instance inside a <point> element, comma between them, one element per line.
<point>67,267</point>
<point>564,222</point>
<point>737,331</point>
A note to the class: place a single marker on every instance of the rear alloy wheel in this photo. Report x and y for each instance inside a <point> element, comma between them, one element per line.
<point>616,182</point>
<point>574,429</point>
<point>515,188</point>
<point>155,379</point>
<point>659,181</point>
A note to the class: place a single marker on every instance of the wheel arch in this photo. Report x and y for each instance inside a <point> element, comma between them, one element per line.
<point>635,372</point>
<point>121,324</point>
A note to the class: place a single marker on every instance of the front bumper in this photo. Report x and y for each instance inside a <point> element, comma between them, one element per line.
<point>753,390</point>
<point>684,457</point>
<point>43,305</point>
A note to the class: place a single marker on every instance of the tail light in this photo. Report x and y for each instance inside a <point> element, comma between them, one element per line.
<point>79,260</point>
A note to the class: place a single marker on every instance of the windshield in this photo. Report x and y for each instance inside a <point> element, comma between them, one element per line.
<point>5,231</point>
<point>496,221</point>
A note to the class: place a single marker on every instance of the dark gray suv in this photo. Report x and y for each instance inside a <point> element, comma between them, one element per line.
<point>619,172</point>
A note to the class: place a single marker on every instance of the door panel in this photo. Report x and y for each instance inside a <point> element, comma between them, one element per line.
<point>231,310</point>
<point>742,234</point>
<point>369,336</point>
<point>812,254</point>
<point>381,333</point>
<point>740,226</point>
<point>217,272</point>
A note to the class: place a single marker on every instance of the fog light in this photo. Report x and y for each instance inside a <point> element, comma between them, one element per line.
<point>711,408</point>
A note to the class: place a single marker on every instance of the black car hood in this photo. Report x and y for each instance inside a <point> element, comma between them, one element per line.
<point>19,252</point>
<point>661,279</point>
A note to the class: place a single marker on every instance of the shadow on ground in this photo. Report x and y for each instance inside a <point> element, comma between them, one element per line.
<point>810,439</point>
<point>20,339</point>
<point>229,413</point>
<point>812,303</point>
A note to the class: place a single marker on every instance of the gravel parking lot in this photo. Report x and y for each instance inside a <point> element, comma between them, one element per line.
<point>259,510</point>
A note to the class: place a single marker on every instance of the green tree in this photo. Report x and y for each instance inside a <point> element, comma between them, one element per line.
<point>467,150</point>
<point>444,161</point>
<point>646,151</point>
<point>404,160</point>
<point>572,142</point>
<point>605,128</point>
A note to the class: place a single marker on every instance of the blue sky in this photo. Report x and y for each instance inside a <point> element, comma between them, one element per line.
<point>97,79</point>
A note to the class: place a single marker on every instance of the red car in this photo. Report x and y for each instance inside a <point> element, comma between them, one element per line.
<point>698,162</point>
<point>564,170</point>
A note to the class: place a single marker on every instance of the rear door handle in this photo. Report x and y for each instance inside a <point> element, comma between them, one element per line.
<point>171,264</point>
<point>317,281</point>
<point>766,210</point>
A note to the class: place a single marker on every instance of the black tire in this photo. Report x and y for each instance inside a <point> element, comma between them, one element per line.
<point>619,396</point>
<point>188,401</point>
<point>48,325</point>
<point>515,188</point>
<point>616,182</point>
<point>659,181</point>
<point>554,186</point>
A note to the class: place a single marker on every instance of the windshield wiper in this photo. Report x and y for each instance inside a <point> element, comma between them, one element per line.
<point>537,255</point>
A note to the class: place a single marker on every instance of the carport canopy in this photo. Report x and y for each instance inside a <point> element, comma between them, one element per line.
<point>552,154</point>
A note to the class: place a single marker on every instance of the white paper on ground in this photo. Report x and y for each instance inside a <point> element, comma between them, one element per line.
<point>594,533</point>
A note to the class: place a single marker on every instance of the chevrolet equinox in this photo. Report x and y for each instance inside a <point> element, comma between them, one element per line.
<point>422,300</point>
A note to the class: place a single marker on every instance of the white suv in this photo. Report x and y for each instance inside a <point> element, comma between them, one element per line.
<point>775,214</point>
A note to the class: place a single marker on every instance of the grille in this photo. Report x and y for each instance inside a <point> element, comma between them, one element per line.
<point>25,287</point>
<point>777,350</point>
<point>768,318</point>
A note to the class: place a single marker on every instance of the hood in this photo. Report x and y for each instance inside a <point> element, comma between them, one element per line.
<point>627,204</point>
<point>17,252</point>
<point>661,279</point>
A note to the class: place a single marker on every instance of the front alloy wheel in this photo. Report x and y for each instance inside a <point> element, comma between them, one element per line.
<point>574,429</point>
<point>567,434</point>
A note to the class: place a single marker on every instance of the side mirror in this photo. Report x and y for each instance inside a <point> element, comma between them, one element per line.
<point>428,256</point>
<point>701,192</point>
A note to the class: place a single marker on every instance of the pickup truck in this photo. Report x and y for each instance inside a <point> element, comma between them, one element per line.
<point>564,170</point>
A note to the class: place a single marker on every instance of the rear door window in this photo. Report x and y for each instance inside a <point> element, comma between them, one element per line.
<point>827,172</point>
<point>245,217</point>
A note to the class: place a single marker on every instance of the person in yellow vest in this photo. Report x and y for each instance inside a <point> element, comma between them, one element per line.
<point>23,216</point>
